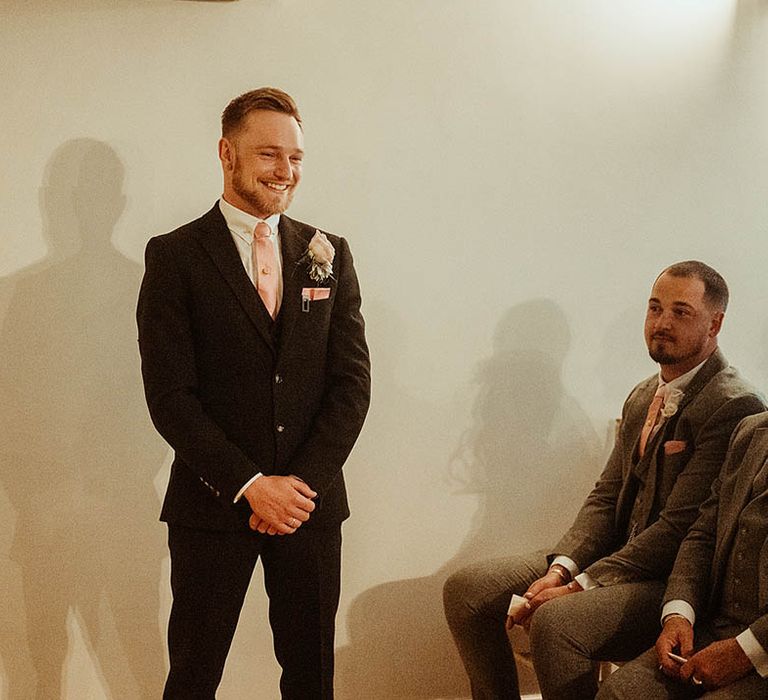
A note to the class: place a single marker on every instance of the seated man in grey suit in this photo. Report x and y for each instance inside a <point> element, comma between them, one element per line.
<point>716,604</point>
<point>594,594</point>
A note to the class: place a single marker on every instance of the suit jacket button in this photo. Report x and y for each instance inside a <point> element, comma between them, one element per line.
<point>280,427</point>
<point>278,379</point>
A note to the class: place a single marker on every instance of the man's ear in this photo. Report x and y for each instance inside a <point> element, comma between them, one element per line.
<point>226,153</point>
<point>717,324</point>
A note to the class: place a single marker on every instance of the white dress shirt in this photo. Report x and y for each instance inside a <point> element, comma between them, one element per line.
<point>241,225</point>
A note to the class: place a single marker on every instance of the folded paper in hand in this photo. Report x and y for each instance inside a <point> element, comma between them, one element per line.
<point>516,604</point>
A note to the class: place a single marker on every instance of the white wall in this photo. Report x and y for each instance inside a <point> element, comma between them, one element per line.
<point>511,176</point>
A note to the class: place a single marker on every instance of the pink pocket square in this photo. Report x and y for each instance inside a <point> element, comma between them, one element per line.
<point>673,447</point>
<point>315,293</point>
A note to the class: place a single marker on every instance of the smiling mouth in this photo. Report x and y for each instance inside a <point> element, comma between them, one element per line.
<point>275,187</point>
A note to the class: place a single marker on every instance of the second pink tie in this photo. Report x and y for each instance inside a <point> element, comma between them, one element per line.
<point>651,417</point>
<point>265,267</point>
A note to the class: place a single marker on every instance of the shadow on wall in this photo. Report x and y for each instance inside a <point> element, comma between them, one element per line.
<point>77,454</point>
<point>530,456</point>
<point>624,330</point>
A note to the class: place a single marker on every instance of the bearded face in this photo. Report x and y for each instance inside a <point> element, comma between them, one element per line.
<point>680,326</point>
<point>262,163</point>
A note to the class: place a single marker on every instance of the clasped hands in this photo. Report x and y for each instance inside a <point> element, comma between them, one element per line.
<point>549,586</point>
<point>280,504</point>
<point>715,666</point>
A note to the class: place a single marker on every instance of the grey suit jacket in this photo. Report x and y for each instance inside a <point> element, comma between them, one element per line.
<point>678,466</point>
<point>235,394</point>
<point>699,571</point>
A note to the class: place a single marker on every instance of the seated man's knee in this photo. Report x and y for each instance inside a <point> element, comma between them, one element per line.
<point>456,593</point>
<point>612,688</point>
<point>547,622</point>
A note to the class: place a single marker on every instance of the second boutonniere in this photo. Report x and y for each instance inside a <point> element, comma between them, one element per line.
<point>320,254</point>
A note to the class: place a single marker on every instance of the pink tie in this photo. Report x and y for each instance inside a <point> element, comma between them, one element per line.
<point>650,418</point>
<point>265,266</point>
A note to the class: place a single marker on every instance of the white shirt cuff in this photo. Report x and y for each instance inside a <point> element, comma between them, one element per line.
<point>754,651</point>
<point>586,581</point>
<point>568,563</point>
<point>678,607</point>
<point>245,488</point>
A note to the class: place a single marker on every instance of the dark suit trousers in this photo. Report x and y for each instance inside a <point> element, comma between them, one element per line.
<point>210,573</point>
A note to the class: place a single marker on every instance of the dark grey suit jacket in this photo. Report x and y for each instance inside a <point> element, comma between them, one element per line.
<point>699,572</point>
<point>678,466</point>
<point>231,394</point>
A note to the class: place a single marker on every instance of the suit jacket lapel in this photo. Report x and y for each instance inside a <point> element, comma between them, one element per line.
<point>293,246</point>
<point>217,241</point>
<point>647,466</point>
<point>714,364</point>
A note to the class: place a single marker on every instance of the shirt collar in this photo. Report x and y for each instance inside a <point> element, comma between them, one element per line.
<point>241,223</point>
<point>680,383</point>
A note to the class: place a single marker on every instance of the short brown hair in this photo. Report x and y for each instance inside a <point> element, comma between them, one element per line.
<point>269,98</point>
<point>715,288</point>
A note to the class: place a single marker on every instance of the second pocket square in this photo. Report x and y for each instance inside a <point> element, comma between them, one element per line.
<point>673,447</point>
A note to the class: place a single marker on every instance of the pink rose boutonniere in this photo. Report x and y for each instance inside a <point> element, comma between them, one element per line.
<point>320,253</point>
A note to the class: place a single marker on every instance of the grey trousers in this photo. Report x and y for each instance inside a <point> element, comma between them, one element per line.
<point>568,635</point>
<point>476,599</point>
<point>642,678</point>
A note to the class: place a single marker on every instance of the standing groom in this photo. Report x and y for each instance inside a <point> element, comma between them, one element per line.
<point>256,372</point>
